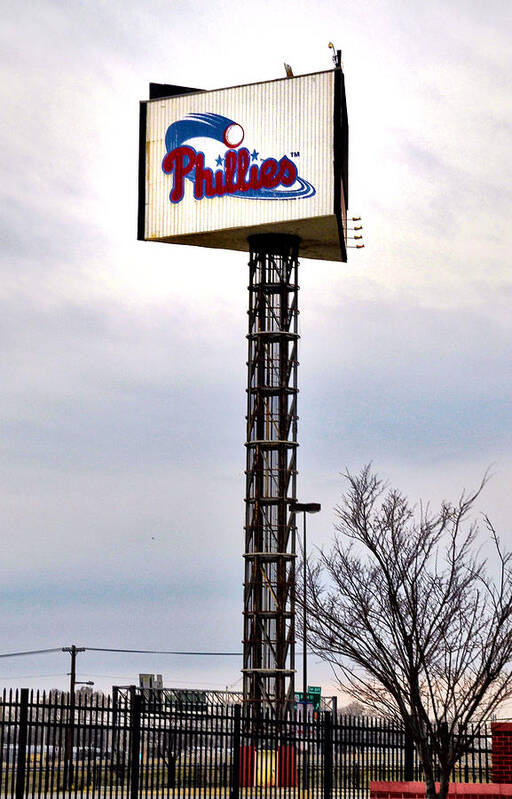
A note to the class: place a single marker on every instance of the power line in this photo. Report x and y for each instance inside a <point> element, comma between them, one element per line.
<point>127,651</point>
<point>30,676</point>
<point>31,652</point>
<point>166,652</point>
<point>163,652</point>
<point>130,651</point>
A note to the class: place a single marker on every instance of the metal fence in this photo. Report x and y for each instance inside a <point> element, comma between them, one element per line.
<point>137,747</point>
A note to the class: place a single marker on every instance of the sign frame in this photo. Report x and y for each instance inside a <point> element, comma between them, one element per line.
<point>310,229</point>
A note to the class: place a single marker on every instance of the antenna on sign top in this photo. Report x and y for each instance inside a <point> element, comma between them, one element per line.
<point>288,70</point>
<point>336,56</point>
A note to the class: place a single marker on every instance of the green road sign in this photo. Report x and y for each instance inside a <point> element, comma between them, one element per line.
<point>313,697</point>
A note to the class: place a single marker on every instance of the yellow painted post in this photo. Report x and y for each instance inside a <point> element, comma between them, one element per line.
<point>266,767</point>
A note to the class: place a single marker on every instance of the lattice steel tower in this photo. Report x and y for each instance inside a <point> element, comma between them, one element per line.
<point>269,587</point>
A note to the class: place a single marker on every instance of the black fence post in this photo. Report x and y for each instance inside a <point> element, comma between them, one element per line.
<point>408,757</point>
<point>135,722</point>
<point>22,744</point>
<point>327,755</point>
<point>115,720</point>
<point>236,744</point>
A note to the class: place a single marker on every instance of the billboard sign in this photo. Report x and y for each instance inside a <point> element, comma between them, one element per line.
<point>216,167</point>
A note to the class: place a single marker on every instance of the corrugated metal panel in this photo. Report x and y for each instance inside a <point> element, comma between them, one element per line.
<point>289,117</point>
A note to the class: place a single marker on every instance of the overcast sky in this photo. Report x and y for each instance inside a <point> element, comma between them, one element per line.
<point>123,363</point>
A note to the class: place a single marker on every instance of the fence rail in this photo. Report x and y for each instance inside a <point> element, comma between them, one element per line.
<point>138,747</point>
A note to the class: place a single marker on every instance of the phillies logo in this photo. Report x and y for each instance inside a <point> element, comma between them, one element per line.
<point>239,173</point>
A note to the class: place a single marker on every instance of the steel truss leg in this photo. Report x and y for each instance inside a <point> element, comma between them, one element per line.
<point>269,587</point>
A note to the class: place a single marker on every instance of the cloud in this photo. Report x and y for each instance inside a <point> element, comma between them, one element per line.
<point>412,381</point>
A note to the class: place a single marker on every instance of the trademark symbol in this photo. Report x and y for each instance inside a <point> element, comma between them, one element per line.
<point>295,155</point>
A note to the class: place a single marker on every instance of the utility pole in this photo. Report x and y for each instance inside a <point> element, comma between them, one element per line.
<point>305,507</point>
<point>68,761</point>
<point>73,650</point>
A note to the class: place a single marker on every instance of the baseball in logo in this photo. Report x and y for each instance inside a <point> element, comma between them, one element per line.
<point>206,149</point>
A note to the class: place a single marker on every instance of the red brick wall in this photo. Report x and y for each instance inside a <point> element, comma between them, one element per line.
<point>416,790</point>
<point>501,785</point>
<point>502,751</point>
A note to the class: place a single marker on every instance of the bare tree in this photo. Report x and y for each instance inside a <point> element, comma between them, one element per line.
<point>354,708</point>
<point>404,609</point>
